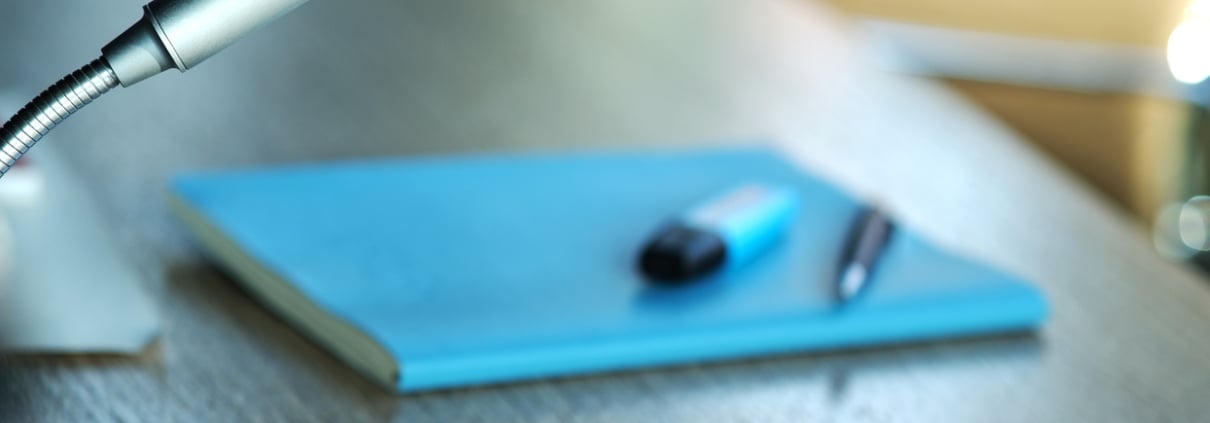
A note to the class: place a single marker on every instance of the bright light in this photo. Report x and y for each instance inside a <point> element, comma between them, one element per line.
<point>1189,44</point>
<point>1189,51</point>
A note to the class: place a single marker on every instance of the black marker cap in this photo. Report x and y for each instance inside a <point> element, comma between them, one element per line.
<point>680,253</point>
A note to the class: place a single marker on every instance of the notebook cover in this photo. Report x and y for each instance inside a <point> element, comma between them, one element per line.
<point>492,268</point>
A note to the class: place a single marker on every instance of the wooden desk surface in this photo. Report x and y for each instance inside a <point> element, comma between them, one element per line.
<point>1126,342</point>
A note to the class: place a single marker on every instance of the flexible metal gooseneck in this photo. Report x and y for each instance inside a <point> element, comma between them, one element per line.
<point>51,107</point>
<point>172,34</point>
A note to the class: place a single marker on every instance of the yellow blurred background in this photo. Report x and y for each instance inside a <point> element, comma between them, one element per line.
<point>1126,142</point>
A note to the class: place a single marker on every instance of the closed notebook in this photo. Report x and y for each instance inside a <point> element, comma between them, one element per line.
<point>438,272</point>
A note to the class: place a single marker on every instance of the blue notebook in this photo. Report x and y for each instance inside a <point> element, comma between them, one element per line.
<point>438,272</point>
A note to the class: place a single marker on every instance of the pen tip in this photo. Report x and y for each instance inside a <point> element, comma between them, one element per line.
<point>851,282</point>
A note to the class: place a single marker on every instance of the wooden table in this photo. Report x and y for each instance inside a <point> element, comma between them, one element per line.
<point>1126,341</point>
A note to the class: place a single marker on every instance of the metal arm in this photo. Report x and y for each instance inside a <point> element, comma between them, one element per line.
<point>172,34</point>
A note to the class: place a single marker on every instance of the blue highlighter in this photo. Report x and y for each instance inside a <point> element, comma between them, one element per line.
<point>726,231</point>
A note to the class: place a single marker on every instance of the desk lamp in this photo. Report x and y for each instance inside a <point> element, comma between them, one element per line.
<point>172,34</point>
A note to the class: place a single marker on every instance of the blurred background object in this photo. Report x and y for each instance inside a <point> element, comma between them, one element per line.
<point>66,286</point>
<point>1087,81</point>
<point>1125,22</point>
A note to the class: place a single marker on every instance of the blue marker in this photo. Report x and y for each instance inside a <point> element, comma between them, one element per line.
<point>726,231</point>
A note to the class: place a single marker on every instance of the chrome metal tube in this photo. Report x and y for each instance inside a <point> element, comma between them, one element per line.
<point>182,33</point>
<point>194,30</point>
<point>54,105</point>
<point>172,34</point>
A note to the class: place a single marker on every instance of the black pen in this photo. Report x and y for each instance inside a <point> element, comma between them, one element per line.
<point>866,240</point>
